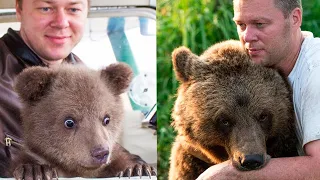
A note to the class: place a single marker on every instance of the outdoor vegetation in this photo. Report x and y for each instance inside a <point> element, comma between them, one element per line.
<point>196,24</point>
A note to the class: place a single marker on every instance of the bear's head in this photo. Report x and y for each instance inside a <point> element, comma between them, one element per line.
<point>72,115</point>
<point>230,108</point>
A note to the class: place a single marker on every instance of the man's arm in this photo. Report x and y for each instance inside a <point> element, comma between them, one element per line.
<point>292,168</point>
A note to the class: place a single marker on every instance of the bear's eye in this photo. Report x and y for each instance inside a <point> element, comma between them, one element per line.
<point>106,120</point>
<point>263,117</point>
<point>224,122</point>
<point>69,123</point>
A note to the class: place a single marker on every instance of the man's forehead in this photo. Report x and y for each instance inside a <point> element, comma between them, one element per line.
<point>238,18</point>
<point>253,5</point>
<point>254,10</point>
<point>59,1</point>
<point>243,2</point>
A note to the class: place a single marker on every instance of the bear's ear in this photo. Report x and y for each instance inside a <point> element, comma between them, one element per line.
<point>182,60</point>
<point>118,77</point>
<point>33,83</point>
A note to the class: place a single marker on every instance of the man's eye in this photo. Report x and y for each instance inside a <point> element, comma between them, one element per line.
<point>74,10</point>
<point>259,25</point>
<point>45,9</point>
<point>242,26</point>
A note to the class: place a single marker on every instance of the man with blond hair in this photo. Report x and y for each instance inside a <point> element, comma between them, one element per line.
<point>49,31</point>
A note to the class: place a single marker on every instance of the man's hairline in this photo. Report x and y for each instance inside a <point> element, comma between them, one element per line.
<point>275,5</point>
<point>19,3</point>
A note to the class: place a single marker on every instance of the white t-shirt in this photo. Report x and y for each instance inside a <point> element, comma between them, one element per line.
<point>305,82</point>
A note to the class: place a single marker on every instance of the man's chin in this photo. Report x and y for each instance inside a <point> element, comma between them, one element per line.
<point>258,60</point>
<point>55,56</point>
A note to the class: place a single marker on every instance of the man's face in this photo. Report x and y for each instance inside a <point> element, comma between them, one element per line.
<point>52,28</point>
<point>263,30</point>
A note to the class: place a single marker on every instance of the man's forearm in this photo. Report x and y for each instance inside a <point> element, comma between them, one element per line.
<point>302,167</point>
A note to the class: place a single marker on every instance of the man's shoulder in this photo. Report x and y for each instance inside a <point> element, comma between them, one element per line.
<point>2,44</point>
<point>310,49</point>
<point>310,42</point>
<point>8,61</point>
<point>308,60</point>
<point>4,50</point>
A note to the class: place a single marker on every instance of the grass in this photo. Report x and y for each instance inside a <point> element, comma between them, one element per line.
<point>196,24</point>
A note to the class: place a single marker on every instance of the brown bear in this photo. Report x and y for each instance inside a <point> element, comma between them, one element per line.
<point>71,117</point>
<point>228,108</point>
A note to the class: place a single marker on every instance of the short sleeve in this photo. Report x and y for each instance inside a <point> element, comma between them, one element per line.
<point>310,103</point>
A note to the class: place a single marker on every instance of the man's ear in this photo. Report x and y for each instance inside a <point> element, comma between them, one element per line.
<point>117,77</point>
<point>296,16</point>
<point>18,10</point>
<point>183,61</point>
<point>33,83</point>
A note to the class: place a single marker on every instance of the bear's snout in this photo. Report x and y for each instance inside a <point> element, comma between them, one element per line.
<point>252,162</point>
<point>100,155</point>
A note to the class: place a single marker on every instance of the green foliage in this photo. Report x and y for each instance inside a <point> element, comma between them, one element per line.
<point>196,24</point>
<point>311,14</point>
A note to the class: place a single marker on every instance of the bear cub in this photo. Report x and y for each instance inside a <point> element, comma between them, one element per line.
<point>228,108</point>
<point>71,117</point>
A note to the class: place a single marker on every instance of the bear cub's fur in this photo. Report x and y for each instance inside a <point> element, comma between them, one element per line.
<point>71,117</point>
<point>227,107</point>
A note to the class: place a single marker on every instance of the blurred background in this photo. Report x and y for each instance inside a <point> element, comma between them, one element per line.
<point>196,24</point>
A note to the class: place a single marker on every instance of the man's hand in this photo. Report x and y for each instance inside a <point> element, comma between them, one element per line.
<point>222,171</point>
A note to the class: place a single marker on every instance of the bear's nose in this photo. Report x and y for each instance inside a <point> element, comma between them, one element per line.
<point>252,161</point>
<point>100,155</point>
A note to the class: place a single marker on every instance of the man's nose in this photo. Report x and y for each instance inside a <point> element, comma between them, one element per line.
<point>61,19</point>
<point>250,34</point>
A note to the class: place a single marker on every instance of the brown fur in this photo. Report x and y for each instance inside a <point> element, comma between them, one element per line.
<point>50,96</point>
<point>227,108</point>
